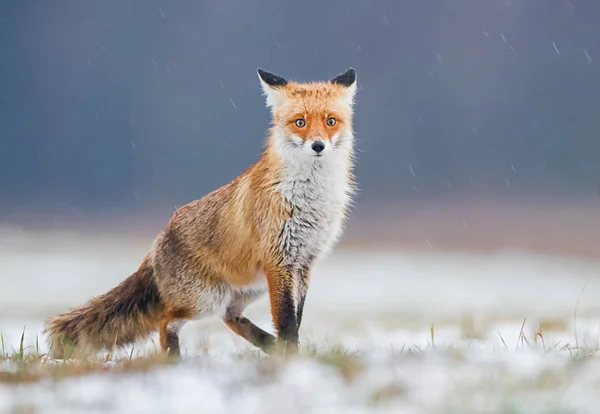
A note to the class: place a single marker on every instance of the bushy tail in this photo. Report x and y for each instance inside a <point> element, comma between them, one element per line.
<point>126,313</point>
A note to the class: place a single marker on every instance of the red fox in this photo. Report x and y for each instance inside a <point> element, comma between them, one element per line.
<point>260,233</point>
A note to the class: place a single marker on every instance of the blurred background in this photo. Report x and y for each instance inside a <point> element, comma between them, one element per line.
<point>476,125</point>
<point>118,111</point>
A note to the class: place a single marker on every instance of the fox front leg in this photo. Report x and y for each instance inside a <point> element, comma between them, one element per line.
<point>303,281</point>
<point>283,307</point>
<point>242,326</point>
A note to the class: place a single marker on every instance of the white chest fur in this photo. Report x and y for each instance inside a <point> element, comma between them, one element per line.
<point>319,191</point>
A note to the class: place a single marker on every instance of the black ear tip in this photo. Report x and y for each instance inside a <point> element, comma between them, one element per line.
<point>270,78</point>
<point>345,79</point>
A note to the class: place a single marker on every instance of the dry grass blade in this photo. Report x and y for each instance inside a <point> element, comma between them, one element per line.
<point>502,339</point>
<point>575,316</point>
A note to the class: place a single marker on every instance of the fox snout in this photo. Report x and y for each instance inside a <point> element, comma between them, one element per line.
<point>318,147</point>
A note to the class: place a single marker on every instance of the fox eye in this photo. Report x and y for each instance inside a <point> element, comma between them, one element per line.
<point>331,121</point>
<point>300,123</point>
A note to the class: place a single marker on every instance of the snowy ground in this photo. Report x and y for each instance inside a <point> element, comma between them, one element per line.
<point>420,333</point>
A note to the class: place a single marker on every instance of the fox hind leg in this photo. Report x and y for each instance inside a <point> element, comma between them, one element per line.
<point>173,330</point>
<point>171,323</point>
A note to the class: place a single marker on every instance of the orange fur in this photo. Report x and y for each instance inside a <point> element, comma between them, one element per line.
<point>314,103</point>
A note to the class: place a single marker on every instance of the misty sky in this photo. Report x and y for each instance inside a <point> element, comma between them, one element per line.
<point>130,105</point>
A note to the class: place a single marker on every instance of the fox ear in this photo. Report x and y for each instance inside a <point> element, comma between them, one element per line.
<point>347,80</point>
<point>270,84</point>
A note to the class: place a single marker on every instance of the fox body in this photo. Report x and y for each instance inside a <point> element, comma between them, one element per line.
<point>260,233</point>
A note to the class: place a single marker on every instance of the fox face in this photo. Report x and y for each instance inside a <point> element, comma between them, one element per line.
<point>311,121</point>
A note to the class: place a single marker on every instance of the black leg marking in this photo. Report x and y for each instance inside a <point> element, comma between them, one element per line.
<point>303,281</point>
<point>288,323</point>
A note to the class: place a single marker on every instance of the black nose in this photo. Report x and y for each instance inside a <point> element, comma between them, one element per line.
<point>318,146</point>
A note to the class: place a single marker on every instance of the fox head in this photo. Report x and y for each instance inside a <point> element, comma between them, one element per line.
<point>311,121</point>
